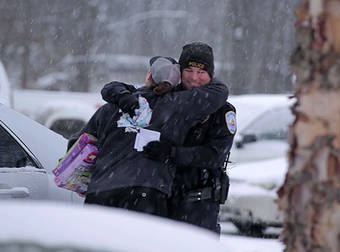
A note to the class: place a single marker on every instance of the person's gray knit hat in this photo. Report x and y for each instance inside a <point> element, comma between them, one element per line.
<point>164,70</point>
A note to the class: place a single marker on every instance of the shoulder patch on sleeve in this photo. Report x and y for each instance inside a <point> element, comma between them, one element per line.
<point>230,119</point>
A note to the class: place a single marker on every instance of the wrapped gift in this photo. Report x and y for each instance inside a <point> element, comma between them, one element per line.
<point>73,171</point>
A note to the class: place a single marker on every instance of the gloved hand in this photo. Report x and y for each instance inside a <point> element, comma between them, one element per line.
<point>158,150</point>
<point>128,103</point>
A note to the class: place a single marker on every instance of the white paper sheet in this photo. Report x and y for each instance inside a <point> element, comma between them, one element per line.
<point>144,136</point>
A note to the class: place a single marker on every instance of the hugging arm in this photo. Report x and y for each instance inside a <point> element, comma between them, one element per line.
<point>207,98</point>
<point>212,153</point>
<point>112,91</point>
<point>189,108</point>
<point>192,106</point>
<point>121,94</point>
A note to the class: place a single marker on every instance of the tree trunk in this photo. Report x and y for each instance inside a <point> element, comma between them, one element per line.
<point>25,42</point>
<point>310,196</point>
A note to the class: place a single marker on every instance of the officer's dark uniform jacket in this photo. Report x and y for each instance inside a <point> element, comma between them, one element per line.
<point>118,164</point>
<point>201,159</point>
<point>201,183</point>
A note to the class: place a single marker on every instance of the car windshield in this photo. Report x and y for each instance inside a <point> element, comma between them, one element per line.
<point>271,125</point>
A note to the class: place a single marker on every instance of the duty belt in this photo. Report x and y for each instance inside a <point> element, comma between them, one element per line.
<point>217,193</point>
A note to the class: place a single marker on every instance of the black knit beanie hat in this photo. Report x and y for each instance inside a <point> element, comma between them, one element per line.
<point>197,54</point>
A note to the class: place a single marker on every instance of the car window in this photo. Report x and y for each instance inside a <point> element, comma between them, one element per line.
<point>11,153</point>
<point>271,125</point>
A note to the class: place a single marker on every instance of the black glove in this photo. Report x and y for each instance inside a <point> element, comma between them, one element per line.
<point>128,103</point>
<point>158,150</point>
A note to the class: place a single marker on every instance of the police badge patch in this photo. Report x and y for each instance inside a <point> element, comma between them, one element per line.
<point>230,119</point>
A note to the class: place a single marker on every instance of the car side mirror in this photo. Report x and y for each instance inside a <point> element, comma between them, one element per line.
<point>248,138</point>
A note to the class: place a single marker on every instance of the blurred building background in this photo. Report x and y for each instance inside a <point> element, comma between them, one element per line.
<point>80,45</point>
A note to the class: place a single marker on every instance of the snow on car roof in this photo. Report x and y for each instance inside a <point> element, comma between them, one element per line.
<point>260,172</point>
<point>98,228</point>
<point>46,145</point>
<point>248,107</point>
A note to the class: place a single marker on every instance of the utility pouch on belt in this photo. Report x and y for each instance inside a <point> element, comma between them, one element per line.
<point>200,194</point>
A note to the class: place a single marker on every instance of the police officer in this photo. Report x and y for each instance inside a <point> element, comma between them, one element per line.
<point>201,183</point>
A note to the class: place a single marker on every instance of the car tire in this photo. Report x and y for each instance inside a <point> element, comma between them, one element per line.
<point>250,229</point>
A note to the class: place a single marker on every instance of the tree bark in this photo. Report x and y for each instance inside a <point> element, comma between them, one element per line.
<point>310,196</point>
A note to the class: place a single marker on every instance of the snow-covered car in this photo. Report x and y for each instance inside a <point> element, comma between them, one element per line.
<point>264,137</point>
<point>41,226</point>
<point>258,166</point>
<point>28,154</point>
<point>63,112</point>
<point>251,203</point>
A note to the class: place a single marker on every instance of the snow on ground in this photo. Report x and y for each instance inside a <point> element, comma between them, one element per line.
<point>249,244</point>
<point>55,224</point>
<point>236,243</point>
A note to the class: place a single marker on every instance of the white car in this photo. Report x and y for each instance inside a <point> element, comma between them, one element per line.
<point>251,203</point>
<point>264,137</point>
<point>42,226</point>
<point>63,112</point>
<point>28,154</point>
<point>258,166</point>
